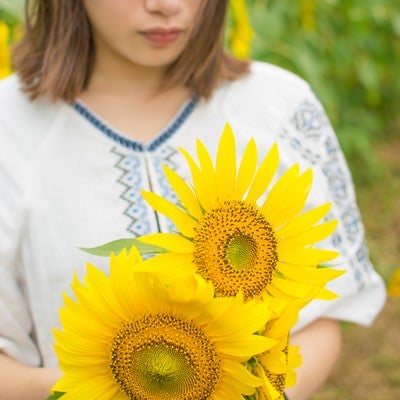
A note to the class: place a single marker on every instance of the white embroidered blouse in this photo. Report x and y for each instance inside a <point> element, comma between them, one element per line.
<point>69,180</point>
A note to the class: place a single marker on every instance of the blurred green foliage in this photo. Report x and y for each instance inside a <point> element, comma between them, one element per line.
<point>10,19</point>
<point>349,51</point>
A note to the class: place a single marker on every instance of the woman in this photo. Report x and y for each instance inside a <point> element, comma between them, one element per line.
<point>104,93</point>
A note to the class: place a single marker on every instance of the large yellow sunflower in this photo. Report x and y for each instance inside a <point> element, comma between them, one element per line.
<point>126,336</point>
<point>236,240</point>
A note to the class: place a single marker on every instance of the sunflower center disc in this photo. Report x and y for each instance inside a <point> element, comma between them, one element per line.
<point>235,248</point>
<point>162,367</point>
<point>164,357</point>
<point>241,252</point>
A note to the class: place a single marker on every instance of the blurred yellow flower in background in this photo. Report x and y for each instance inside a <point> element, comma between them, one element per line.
<point>307,15</point>
<point>393,287</point>
<point>5,58</point>
<point>242,32</point>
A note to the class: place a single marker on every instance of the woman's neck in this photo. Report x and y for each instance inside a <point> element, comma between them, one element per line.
<point>121,77</point>
<point>131,100</point>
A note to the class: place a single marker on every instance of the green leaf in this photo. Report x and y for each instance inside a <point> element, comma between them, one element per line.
<point>116,246</point>
<point>55,395</point>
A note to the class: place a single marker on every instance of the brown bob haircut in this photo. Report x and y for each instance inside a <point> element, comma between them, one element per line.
<point>56,54</point>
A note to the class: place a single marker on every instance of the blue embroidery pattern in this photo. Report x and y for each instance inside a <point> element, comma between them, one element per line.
<point>176,124</point>
<point>131,180</point>
<point>310,134</point>
<point>131,144</point>
<point>308,120</point>
<point>130,163</point>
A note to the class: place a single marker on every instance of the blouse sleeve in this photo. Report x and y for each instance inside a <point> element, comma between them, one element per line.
<point>361,290</point>
<point>16,334</point>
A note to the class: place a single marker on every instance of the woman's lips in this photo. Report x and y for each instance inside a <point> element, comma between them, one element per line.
<point>161,36</point>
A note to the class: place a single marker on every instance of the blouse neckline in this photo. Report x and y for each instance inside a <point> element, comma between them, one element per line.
<point>181,116</point>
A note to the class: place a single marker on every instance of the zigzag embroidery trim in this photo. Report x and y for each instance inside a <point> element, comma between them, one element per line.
<point>130,179</point>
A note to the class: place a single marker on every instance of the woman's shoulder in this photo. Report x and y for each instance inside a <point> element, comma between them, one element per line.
<point>271,74</point>
<point>265,88</point>
<point>23,120</point>
<point>266,97</point>
<point>18,107</point>
<point>268,81</point>
<point>12,97</point>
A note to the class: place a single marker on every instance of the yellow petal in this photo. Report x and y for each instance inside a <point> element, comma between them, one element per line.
<point>307,256</point>
<point>264,175</point>
<point>242,377</point>
<point>307,274</point>
<point>206,165</point>
<point>267,391</point>
<point>275,362</point>
<point>277,295</point>
<point>206,198</point>
<point>246,348</point>
<point>309,237</point>
<point>226,164</point>
<point>292,288</point>
<point>304,221</point>
<point>97,388</point>
<point>91,324</point>
<point>326,294</point>
<point>124,280</point>
<point>169,241</point>
<point>168,266</point>
<point>183,221</point>
<point>227,392</point>
<point>253,316</point>
<point>100,291</point>
<point>279,191</point>
<point>247,169</point>
<point>287,198</point>
<point>294,356</point>
<point>284,325</point>
<point>184,192</point>
<point>294,361</point>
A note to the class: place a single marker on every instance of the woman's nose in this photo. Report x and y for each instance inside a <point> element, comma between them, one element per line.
<point>164,7</point>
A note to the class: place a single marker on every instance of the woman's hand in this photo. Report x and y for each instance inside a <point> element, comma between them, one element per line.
<point>320,344</point>
<point>20,382</point>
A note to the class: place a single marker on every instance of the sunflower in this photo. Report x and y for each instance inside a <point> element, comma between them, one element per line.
<point>276,367</point>
<point>126,336</point>
<point>236,240</point>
